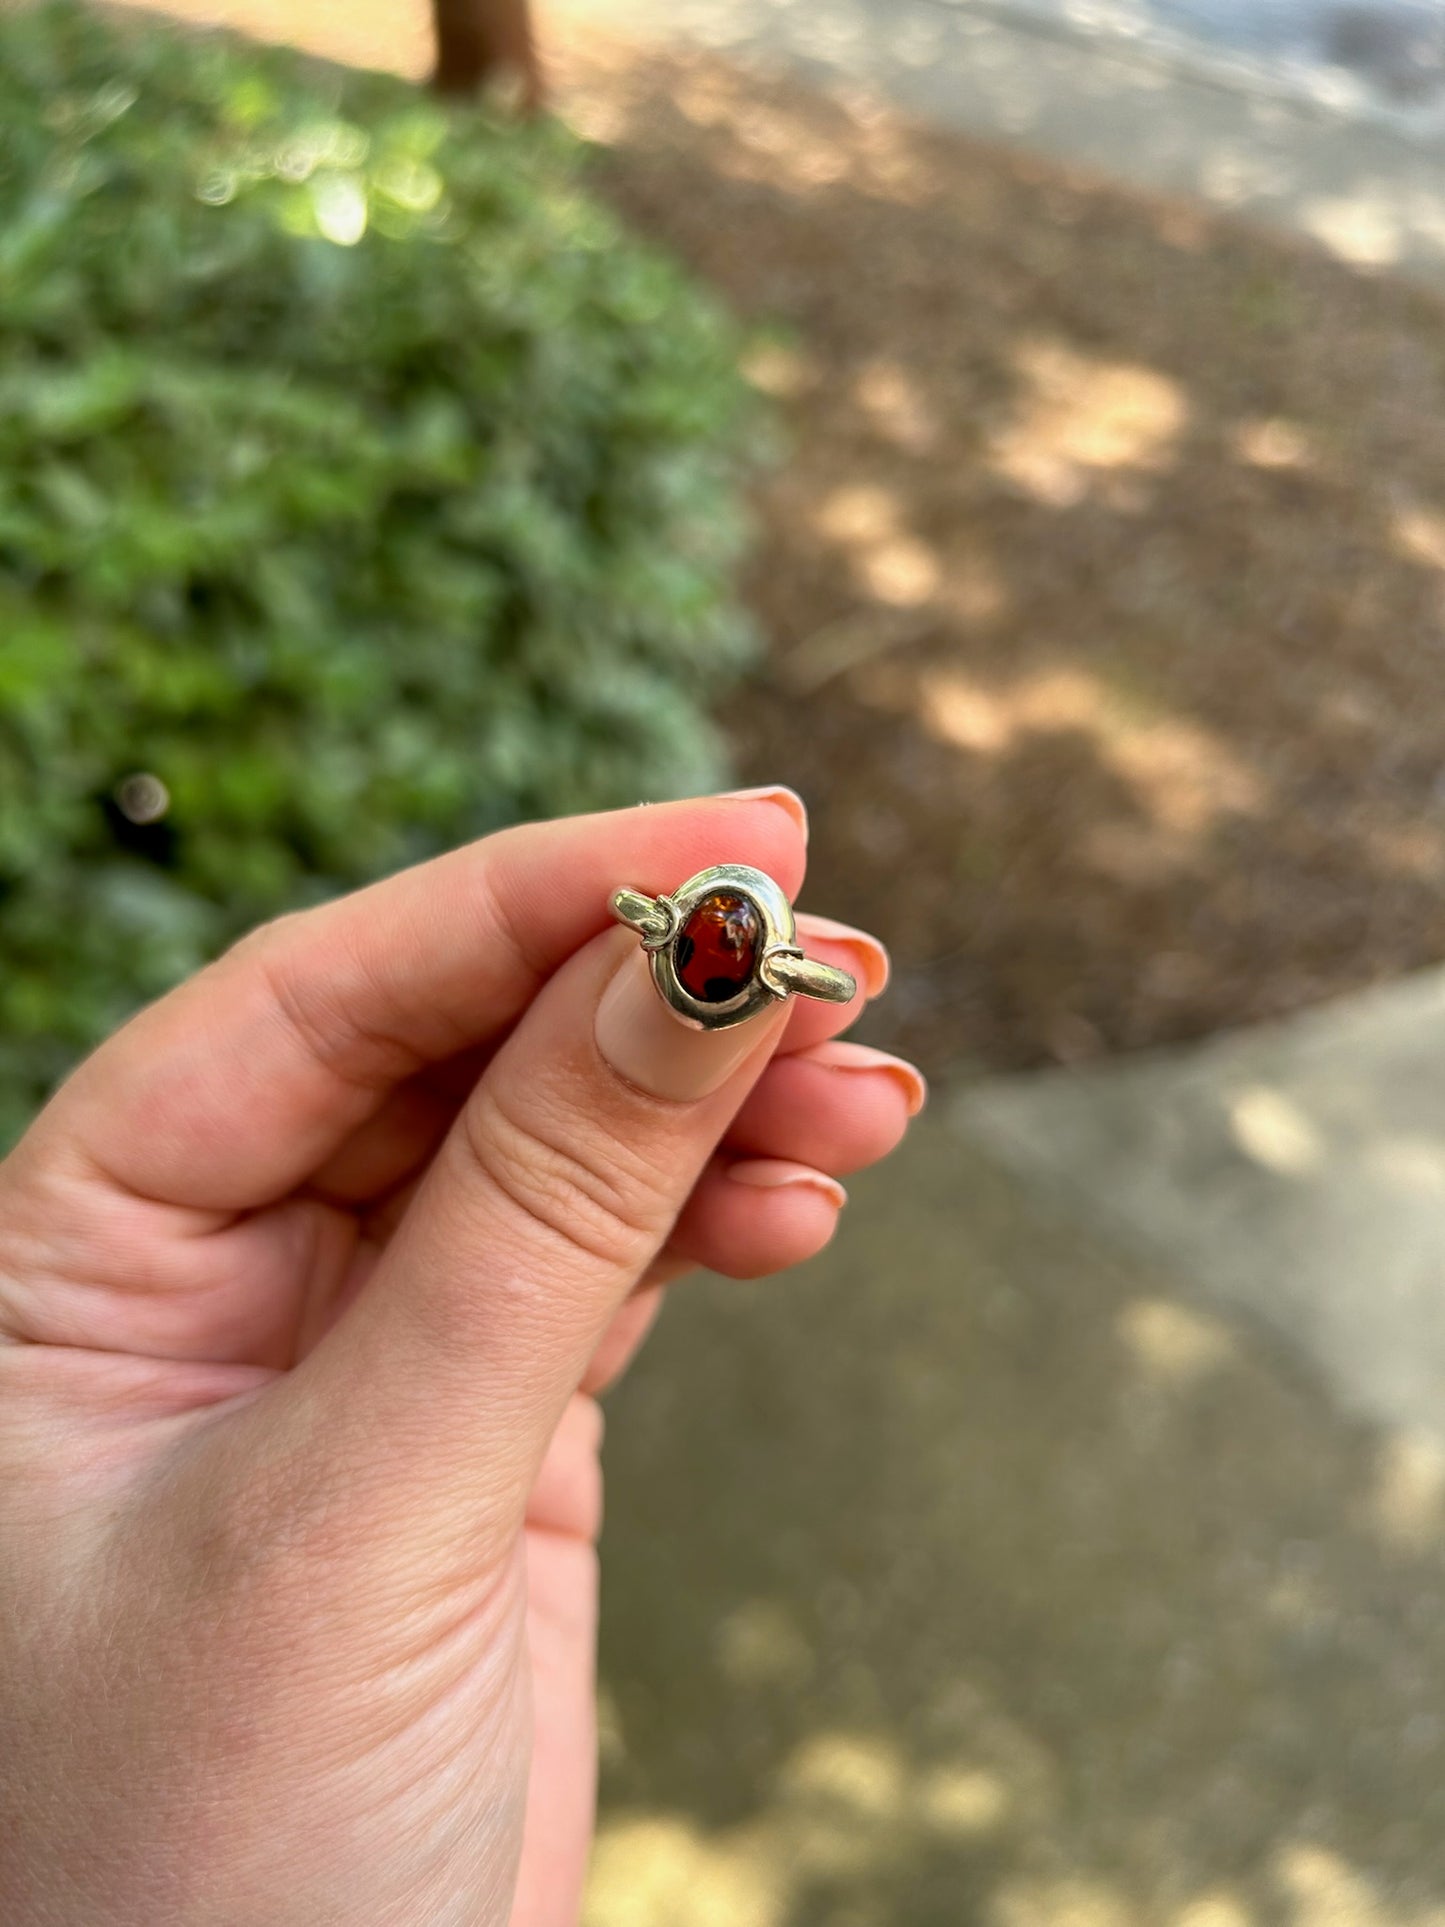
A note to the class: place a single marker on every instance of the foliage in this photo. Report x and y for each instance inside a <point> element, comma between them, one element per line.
<point>358,477</point>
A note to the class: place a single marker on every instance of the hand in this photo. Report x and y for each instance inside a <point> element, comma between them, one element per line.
<point>306,1280</point>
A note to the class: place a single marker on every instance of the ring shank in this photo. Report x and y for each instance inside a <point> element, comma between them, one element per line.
<point>648,916</point>
<point>791,973</point>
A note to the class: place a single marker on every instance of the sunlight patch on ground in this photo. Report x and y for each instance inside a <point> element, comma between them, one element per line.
<point>962,1803</point>
<point>896,405</point>
<point>776,369</point>
<point>1407,1505</point>
<point>893,565</point>
<point>1362,228</point>
<point>843,1807</point>
<point>858,512</point>
<point>767,145</point>
<point>803,157</point>
<point>1187,777</point>
<point>1272,1129</point>
<point>961,712</point>
<point>901,571</point>
<point>856,1772</point>
<point>1079,416</point>
<point>840,1808</point>
<point>887,561</point>
<point>1377,226</point>
<point>1420,535</point>
<point>1273,443</point>
<point>658,1871</point>
<point>1214,1910</point>
<point>397,37</point>
<point>779,148</point>
<point>1173,1344</point>
<point>1182,777</point>
<point>1325,1891</point>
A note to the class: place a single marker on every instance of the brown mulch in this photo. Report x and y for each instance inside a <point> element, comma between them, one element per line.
<point>1105,580</point>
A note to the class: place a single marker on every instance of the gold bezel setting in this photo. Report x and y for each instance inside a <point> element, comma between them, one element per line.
<point>779,966</point>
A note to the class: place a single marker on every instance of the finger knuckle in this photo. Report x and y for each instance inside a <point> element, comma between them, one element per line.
<point>588,1193</point>
<point>325,1009</point>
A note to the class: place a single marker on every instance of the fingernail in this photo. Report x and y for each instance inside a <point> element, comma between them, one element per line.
<point>777,1174</point>
<point>645,1043</point>
<point>839,1056</point>
<point>778,793</point>
<point>874,967</point>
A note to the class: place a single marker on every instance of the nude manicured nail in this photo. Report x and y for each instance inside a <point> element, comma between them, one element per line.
<point>874,967</point>
<point>840,1056</point>
<point>777,1174</point>
<point>778,793</point>
<point>643,1041</point>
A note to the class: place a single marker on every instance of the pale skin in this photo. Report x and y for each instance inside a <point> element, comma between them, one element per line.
<point>309,1279</point>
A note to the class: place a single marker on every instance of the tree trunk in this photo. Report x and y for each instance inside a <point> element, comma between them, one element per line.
<point>482,42</point>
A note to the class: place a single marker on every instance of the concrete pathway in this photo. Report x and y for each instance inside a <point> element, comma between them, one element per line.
<point>1365,190</point>
<point>1295,1174</point>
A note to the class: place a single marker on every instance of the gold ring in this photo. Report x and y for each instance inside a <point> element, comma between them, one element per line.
<point>724,946</point>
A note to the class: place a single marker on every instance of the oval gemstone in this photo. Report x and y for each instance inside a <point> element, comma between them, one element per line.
<point>717,947</point>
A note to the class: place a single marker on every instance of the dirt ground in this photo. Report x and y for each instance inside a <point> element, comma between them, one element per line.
<point>1105,580</point>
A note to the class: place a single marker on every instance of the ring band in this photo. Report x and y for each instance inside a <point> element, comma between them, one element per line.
<point>724,946</point>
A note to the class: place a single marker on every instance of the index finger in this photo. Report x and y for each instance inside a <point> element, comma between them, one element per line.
<point>231,1090</point>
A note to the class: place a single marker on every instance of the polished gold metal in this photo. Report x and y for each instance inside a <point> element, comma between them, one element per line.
<point>780,969</point>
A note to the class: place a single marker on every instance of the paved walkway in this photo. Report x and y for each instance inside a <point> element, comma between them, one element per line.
<point>982,1576</point>
<point>1363,189</point>
<point>1294,1174</point>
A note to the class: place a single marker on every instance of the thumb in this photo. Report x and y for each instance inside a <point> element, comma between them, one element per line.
<point>555,1189</point>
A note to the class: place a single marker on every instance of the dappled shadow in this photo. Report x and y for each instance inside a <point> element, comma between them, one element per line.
<point>1105,580</point>
<point>976,1580</point>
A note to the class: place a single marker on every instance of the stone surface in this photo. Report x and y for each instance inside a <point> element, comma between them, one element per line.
<point>717,947</point>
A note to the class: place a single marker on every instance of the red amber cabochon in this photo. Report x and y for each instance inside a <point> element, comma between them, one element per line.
<point>717,947</point>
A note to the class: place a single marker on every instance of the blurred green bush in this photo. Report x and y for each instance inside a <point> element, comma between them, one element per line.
<point>359,478</point>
